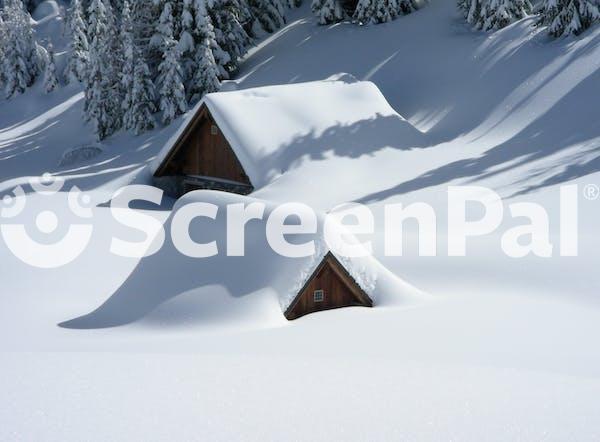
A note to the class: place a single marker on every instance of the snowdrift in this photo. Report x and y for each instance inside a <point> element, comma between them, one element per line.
<point>255,288</point>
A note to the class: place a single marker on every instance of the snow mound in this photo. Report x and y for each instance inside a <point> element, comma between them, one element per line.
<point>255,288</point>
<point>79,155</point>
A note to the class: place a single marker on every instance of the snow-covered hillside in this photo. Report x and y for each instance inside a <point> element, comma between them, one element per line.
<point>478,347</point>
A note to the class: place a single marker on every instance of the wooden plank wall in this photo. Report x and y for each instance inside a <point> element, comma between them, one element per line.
<point>339,292</point>
<point>205,152</point>
<point>209,154</point>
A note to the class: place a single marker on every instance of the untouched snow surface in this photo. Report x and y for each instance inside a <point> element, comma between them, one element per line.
<point>500,349</point>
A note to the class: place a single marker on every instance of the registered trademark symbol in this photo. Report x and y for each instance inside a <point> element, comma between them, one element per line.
<point>591,192</point>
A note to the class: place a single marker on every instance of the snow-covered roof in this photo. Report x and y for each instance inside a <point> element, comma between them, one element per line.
<point>263,125</point>
<point>363,270</point>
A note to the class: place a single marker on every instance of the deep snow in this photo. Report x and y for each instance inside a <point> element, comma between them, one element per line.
<point>501,349</point>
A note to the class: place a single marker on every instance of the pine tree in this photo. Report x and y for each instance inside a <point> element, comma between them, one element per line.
<point>229,32</point>
<point>565,17</point>
<point>102,84</point>
<point>205,29</point>
<point>3,41</point>
<point>206,75</point>
<point>142,100</point>
<point>127,72</point>
<point>171,89</point>
<point>381,11</point>
<point>377,11</point>
<point>407,6</point>
<point>115,62</point>
<point>471,10</point>
<point>144,16</point>
<point>497,14</point>
<point>138,89</point>
<point>79,57</point>
<point>23,58</point>
<point>365,11</point>
<point>270,14</point>
<point>186,43</point>
<point>50,80</point>
<point>331,11</point>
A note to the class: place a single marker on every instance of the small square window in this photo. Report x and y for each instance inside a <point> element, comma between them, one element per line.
<point>214,130</point>
<point>319,295</point>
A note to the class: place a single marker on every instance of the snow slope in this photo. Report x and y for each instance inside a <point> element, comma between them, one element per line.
<point>504,348</point>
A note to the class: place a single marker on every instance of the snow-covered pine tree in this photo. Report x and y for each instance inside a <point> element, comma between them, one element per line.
<point>23,58</point>
<point>376,11</point>
<point>78,58</point>
<point>186,43</point>
<point>116,7</point>
<point>205,29</point>
<point>381,11</point>
<point>136,83</point>
<point>330,11</point>
<point>464,6</point>
<point>101,86</point>
<point>127,71</point>
<point>3,41</point>
<point>50,80</point>
<point>565,17</point>
<point>142,99</point>
<point>115,91</point>
<point>206,76</point>
<point>229,32</point>
<point>172,100</point>
<point>471,10</point>
<point>497,14</point>
<point>270,14</point>
<point>365,11</point>
<point>206,72</point>
<point>156,44</point>
<point>144,15</point>
<point>407,6</point>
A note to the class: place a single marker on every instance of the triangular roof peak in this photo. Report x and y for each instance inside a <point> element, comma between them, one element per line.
<point>329,286</point>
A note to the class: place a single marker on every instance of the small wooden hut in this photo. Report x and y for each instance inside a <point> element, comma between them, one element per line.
<point>329,286</point>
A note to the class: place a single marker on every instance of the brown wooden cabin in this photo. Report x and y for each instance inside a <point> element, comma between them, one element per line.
<point>330,286</point>
<point>202,158</point>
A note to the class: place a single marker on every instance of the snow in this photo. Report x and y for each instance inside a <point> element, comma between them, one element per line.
<point>270,286</point>
<point>269,126</point>
<point>79,155</point>
<point>500,349</point>
<point>45,10</point>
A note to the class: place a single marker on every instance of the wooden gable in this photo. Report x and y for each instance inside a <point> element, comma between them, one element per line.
<point>330,286</point>
<point>203,153</point>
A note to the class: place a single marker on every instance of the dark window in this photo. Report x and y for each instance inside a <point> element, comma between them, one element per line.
<point>319,295</point>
